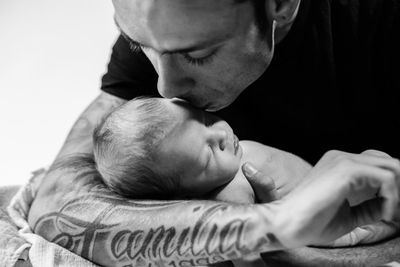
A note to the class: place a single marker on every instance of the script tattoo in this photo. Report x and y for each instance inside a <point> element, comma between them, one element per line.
<point>99,235</point>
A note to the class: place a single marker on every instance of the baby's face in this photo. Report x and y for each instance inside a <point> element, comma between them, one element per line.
<point>203,146</point>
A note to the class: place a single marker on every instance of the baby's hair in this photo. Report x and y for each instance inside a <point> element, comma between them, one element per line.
<point>125,149</point>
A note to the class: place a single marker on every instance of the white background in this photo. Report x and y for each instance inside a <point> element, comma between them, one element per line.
<point>52,56</point>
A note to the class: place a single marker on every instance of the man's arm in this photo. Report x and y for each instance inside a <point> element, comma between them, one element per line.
<point>110,230</point>
<point>75,210</point>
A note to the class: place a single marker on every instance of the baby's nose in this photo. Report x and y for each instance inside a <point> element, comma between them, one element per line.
<point>220,137</point>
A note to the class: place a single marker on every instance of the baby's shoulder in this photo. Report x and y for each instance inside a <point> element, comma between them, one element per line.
<point>252,147</point>
<point>258,153</point>
<point>262,155</point>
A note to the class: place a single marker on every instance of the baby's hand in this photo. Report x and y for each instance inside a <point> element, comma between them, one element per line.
<point>367,234</point>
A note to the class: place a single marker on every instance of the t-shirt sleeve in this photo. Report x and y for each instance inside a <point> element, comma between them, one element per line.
<point>129,73</point>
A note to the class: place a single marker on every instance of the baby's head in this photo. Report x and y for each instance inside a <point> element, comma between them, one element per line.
<point>163,148</point>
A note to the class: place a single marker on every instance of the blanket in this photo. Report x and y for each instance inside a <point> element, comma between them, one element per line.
<point>40,252</point>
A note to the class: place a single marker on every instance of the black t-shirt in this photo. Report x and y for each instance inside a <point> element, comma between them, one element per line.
<point>332,83</point>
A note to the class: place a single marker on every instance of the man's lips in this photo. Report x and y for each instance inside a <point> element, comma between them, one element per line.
<point>210,108</point>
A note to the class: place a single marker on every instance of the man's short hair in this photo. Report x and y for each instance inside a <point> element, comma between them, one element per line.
<point>125,145</point>
<point>260,15</point>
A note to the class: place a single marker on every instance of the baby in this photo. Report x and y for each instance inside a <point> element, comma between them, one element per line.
<point>159,148</point>
<point>166,149</point>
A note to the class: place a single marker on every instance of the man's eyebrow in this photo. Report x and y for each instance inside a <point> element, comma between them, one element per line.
<point>201,45</point>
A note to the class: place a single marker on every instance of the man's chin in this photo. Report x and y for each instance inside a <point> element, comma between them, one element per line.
<point>217,107</point>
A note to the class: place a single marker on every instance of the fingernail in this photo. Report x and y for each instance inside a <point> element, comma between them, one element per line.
<point>249,170</point>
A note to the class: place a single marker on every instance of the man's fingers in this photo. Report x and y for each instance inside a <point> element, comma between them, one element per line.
<point>377,153</point>
<point>380,161</point>
<point>367,212</point>
<point>386,181</point>
<point>263,185</point>
<point>391,195</point>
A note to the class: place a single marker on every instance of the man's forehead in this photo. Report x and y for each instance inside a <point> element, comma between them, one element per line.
<point>166,24</point>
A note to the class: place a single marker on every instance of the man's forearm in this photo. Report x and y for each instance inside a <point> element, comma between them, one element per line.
<point>113,231</point>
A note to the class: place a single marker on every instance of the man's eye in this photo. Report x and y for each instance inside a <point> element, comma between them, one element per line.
<point>199,58</point>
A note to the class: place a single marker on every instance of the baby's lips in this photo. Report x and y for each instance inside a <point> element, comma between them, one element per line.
<point>235,144</point>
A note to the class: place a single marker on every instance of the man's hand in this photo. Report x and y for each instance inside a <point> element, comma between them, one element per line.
<point>318,211</point>
<point>263,185</point>
<point>279,172</point>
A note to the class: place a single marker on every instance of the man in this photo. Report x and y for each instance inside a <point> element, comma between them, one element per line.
<point>319,74</point>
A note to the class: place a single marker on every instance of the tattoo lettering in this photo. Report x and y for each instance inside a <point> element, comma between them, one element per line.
<point>92,227</point>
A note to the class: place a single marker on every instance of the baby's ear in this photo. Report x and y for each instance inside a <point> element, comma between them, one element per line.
<point>282,11</point>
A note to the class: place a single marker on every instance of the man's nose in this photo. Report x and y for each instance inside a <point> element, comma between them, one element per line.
<point>172,79</point>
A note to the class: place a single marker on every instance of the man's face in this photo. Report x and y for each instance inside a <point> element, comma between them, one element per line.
<point>201,147</point>
<point>204,51</point>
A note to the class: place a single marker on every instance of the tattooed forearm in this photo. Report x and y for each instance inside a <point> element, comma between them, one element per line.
<point>156,233</point>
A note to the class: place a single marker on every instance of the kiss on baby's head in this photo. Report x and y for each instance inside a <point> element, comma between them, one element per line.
<point>162,148</point>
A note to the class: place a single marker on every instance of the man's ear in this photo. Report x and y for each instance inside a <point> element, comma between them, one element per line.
<point>282,11</point>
